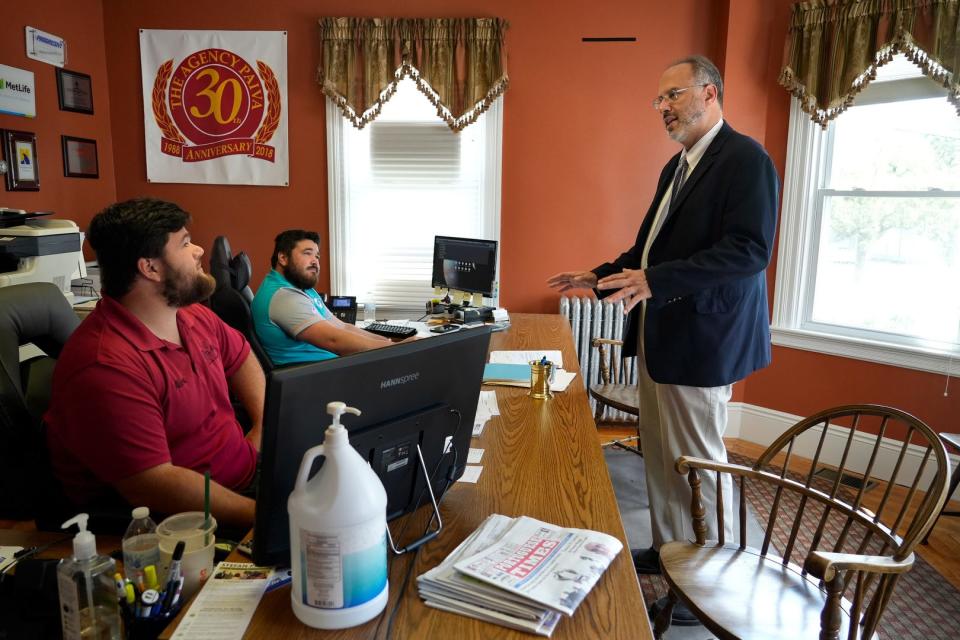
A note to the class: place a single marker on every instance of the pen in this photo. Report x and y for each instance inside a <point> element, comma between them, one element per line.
<point>176,596</point>
<point>543,361</point>
<point>173,577</point>
<point>121,587</point>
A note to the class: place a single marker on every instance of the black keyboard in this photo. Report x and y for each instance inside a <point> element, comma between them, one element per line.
<point>391,330</point>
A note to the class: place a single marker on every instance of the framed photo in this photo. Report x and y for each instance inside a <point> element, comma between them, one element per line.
<point>75,91</point>
<point>79,157</point>
<point>20,150</point>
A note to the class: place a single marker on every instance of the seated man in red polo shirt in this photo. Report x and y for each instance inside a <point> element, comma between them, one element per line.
<point>140,401</point>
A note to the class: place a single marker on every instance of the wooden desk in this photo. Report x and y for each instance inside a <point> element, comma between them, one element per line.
<point>541,459</point>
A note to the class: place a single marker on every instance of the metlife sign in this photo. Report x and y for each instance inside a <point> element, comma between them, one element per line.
<point>45,47</point>
<point>17,92</point>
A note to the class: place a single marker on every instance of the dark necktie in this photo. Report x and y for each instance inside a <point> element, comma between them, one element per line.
<point>678,180</point>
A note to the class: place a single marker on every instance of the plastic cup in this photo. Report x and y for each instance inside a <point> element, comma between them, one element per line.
<point>197,563</point>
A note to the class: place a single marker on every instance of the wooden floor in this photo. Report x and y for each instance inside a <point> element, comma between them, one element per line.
<point>943,551</point>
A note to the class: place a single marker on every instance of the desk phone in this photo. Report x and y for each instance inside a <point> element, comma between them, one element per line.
<point>344,307</point>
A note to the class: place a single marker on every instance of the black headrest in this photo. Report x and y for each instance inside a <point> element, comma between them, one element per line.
<point>220,261</point>
<point>240,271</point>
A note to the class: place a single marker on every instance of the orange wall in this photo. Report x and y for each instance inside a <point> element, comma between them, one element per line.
<point>581,147</point>
<point>80,23</point>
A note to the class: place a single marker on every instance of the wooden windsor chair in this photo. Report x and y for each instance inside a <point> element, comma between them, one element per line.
<point>614,390</point>
<point>839,560</point>
<point>952,442</point>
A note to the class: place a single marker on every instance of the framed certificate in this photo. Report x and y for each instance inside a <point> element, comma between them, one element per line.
<point>79,157</point>
<point>20,150</point>
<point>75,91</point>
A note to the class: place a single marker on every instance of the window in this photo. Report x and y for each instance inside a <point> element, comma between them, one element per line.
<point>396,184</point>
<point>869,254</point>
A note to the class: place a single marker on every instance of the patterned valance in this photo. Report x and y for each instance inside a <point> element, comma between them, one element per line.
<point>460,64</point>
<point>834,47</point>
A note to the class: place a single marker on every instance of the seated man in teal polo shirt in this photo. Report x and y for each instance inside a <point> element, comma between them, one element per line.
<point>290,319</point>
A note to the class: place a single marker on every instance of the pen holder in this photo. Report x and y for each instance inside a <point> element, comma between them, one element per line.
<point>138,628</point>
<point>541,375</point>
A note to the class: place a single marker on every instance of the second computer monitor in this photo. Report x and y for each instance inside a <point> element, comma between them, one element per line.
<point>465,264</point>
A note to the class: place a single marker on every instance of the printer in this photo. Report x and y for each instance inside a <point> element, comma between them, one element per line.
<point>36,250</point>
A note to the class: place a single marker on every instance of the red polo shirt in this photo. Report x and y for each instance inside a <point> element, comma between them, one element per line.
<point>124,401</point>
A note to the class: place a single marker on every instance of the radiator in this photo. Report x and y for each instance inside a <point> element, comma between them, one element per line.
<point>589,319</point>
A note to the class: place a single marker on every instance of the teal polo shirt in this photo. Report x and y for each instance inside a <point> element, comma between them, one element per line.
<point>281,312</point>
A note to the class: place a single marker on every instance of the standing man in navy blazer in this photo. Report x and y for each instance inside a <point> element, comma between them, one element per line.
<point>694,284</point>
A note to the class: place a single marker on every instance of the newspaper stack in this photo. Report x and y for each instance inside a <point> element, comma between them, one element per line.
<point>519,572</point>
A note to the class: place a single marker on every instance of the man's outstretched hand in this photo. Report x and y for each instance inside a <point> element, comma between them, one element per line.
<point>568,280</point>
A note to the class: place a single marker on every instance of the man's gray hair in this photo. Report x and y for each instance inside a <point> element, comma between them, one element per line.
<point>704,72</point>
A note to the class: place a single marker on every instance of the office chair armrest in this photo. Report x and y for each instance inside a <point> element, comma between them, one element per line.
<point>825,564</point>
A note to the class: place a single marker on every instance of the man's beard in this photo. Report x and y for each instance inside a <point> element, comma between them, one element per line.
<point>300,279</point>
<point>181,290</point>
<point>684,123</point>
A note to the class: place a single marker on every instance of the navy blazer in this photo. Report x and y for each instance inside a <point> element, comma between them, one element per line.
<point>707,323</point>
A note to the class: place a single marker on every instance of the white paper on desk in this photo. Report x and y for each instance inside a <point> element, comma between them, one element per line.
<point>6,555</point>
<point>486,408</point>
<point>471,474</point>
<point>226,603</point>
<point>524,357</point>
<point>474,456</point>
<point>562,380</point>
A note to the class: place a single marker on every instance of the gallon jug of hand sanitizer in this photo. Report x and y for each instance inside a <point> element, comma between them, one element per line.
<point>338,528</point>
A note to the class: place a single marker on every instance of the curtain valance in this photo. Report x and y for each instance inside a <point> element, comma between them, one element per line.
<point>834,47</point>
<point>458,63</point>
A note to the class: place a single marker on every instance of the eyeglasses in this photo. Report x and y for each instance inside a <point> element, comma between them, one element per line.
<point>673,95</point>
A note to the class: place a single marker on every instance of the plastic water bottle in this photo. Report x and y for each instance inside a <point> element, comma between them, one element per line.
<point>370,309</point>
<point>338,535</point>
<point>141,545</point>
<point>88,593</point>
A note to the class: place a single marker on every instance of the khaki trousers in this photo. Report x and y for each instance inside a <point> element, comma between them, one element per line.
<point>677,420</point>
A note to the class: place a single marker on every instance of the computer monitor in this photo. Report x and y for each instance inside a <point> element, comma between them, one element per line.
<point>464,264</point>
<point>423,392</point>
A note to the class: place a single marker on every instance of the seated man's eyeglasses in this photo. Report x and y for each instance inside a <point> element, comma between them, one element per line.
<point>672,95</point>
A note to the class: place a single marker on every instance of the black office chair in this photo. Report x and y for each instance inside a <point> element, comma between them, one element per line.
<point>29,313</point>
<point>232,297</point>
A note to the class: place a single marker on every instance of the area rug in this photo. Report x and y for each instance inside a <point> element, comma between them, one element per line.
<point>924,604</point>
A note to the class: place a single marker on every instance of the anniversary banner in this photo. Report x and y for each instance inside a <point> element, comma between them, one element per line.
<point>215,106</point>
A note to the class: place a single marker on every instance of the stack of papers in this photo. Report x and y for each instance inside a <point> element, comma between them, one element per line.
<point>518,375</point>
<point>520,573</point>
<point>512,369</point>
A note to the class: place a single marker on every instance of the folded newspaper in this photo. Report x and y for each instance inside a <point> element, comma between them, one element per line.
<point>519,572</point>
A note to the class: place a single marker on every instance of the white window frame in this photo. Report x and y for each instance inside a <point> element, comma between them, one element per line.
<point>337,192</point>
<point>808,157</point>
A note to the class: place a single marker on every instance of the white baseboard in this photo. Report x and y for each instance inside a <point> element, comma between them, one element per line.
<point>762,426</point>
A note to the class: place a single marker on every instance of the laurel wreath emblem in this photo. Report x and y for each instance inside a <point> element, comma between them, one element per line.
<point>272,118</point>
<point>267,128</point>
<point>160,114</point>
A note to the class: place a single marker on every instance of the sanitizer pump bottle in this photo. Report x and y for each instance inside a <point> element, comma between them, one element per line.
<point>338,529</point>
<point>88,592</point>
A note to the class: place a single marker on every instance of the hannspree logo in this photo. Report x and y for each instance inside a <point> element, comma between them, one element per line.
<point>410,377</point>
<point>220,103</point>
<point>13,86</point>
